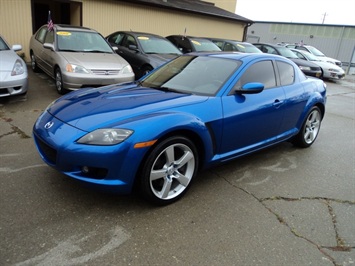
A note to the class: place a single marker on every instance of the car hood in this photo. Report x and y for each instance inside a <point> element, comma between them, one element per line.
<point>109,106</point>
<point>8,59</point>
<point>95,60</point>
<point>327,59</point>
<point>301,62</point>
<point>159,59</point>
<point>327,65</point>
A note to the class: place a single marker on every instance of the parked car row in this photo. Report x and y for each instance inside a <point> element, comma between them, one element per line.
<point>77,57</point>
<point>310,64</point>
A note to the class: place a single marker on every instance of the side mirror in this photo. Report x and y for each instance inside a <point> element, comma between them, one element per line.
<point>133,47</point>
<point>251,88</point>
<point>16,47</point>
<point>48,46</point>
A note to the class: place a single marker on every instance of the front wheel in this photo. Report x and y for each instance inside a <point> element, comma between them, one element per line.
<point>59,82</point>
<point>34,65</point>
<point>168,170</point>
<point>310,129</point>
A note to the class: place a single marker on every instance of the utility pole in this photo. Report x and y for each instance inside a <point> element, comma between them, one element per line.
<point>324,15</point>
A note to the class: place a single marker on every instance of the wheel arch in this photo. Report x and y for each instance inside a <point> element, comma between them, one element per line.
<point>187,133</point>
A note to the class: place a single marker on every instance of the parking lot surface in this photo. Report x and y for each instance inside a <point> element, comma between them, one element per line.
<point>280,206</point>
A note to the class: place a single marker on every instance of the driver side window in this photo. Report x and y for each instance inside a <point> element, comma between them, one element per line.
<point>262,72</point>
<point>129,41</point>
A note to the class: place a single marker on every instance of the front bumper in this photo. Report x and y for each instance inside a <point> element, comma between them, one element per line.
<point>111,168</point>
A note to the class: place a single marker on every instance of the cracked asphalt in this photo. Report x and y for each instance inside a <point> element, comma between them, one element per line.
<point>280,206</point>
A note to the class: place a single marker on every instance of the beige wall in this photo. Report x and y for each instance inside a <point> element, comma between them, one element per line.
<point>228,5</point>
<point>109,16</point>
<point>16,22</point>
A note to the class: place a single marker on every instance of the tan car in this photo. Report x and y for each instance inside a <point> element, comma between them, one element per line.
<point>77,57</point>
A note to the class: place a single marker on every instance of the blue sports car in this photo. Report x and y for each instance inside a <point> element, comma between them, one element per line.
<point>193,112</point>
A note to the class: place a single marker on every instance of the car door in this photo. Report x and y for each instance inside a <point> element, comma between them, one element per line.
<point>252,121</point>
<point>48,55</point>
<point>38,45</point>
<point>129,50</point>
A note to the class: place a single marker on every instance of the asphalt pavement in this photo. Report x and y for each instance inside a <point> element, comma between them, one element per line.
<point>280,206</point>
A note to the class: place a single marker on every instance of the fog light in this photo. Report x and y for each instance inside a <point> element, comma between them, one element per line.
<point>85,169</point>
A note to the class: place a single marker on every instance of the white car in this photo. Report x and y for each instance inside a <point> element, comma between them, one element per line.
<point>13,70</point>
<point>315,52</point>
<point>329,70</point>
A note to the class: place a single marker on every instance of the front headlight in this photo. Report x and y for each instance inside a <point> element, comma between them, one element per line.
<point>305,68</point>
<point>105,136</point>
<point>127,69</point>
<point>18,68</point>
<point>76,69</point>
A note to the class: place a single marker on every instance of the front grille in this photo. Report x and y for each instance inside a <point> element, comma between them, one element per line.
<point>48,152</point>
<point>105,72</point>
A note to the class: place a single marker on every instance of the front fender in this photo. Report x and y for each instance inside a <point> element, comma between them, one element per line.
<point>158,126</point>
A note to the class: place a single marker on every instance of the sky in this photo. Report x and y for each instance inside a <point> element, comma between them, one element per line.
<point>338,12</point>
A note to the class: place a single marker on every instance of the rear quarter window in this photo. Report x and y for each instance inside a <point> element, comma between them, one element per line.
<point>287,73</point>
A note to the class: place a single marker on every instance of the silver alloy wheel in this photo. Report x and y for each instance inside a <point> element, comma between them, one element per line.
<point>172,171</point>
<point>58,81</point>
<point>312,126</point>
<point>33,63</point>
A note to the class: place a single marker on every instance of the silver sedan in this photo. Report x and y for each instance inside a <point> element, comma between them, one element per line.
<point>13,70</point>
<point>77,57</point>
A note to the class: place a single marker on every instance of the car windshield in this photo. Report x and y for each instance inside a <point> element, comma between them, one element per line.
<point>81,41</point>
<point>247,48</point>
<point>310,56</point>
<point>154,45</point>
<point>193,75</point>
<point>3,45</point>
<point>202,45</point>
<point>287,52</point>
<point>315,51</point>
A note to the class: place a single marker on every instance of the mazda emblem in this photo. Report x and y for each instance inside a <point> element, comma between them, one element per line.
<point>48,125</point>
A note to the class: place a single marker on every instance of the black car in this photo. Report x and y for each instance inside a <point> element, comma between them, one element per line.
<point>308,68</point>
<point>188,44</point>
<point>143,51</point>
<point>235,46</point>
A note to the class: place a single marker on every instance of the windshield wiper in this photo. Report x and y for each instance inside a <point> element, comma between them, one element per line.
<point>68,50</point>
<point>96,51</point>
<point>164,89</point>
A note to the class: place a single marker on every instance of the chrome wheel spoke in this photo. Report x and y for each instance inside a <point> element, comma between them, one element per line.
<point>164,193</point>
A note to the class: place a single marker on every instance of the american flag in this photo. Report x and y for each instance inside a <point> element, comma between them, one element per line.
<point>50,22</point>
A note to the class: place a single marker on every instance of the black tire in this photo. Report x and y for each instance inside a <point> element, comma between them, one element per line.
<point>58,79</point>
<point>34,65</point>
<point>168,170</point>
<point>310,129</point>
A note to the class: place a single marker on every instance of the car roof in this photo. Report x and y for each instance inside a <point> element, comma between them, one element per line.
<point>237,55</point>
<point>188,37</point>
<point>138,33</point>
<point>270,44</point>
<point>71,27</point>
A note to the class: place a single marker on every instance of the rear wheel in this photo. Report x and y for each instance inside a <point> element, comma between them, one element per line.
<point>310,129</point>
<point>168,171</point>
